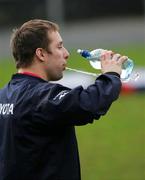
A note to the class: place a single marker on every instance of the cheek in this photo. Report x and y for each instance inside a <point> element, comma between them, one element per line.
<point>53,65</point>
<point>58,60</point>
<point>55,61</point>
<point>58,54</point>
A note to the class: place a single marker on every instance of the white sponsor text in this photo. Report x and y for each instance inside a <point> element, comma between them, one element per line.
<point>6,109</point>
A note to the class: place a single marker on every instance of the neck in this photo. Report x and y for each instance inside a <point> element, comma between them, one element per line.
<point>33,71</point>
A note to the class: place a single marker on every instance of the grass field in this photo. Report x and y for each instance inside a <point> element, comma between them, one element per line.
<point>112,148</point>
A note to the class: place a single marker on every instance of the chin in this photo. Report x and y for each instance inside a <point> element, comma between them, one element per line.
<point>56,78</point>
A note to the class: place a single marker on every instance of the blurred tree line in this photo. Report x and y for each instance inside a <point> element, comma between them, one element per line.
<point>16,11</point>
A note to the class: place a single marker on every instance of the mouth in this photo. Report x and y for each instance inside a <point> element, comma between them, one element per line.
<point>64,67</point>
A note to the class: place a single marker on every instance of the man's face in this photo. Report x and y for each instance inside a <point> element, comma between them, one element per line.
<point>56,58</point>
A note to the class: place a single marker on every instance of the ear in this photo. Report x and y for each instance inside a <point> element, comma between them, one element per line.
<point>40,53</point>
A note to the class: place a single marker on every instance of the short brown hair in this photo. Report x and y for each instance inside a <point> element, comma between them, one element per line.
<point>31,35</point>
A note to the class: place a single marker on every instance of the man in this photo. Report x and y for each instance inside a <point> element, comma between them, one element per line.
<point>37,118</point>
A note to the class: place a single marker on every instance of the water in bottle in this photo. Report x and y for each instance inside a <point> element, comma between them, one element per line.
<point>94,59</point>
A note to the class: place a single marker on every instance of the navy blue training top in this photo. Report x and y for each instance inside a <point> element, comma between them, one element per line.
<point>37,119</point>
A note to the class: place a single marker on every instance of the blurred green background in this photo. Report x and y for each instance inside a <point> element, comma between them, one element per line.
<point>112,148</point>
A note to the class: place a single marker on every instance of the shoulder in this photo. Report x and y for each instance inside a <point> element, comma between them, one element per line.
<point>50,90</point>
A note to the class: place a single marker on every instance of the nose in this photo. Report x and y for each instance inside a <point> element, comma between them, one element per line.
<point>66,54</point>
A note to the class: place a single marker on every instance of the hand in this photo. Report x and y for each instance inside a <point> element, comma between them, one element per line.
<point>111,62</point>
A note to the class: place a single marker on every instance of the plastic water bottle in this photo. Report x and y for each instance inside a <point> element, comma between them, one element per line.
<point>94,59</point>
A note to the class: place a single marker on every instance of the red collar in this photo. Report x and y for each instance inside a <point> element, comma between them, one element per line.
<point>30,74</point>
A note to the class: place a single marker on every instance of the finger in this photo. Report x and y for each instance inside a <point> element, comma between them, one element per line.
<point>110,54</point>
<point>103,55</point>
<point>116,57</point>
<point>106,55</point>
<point>122,59</point>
